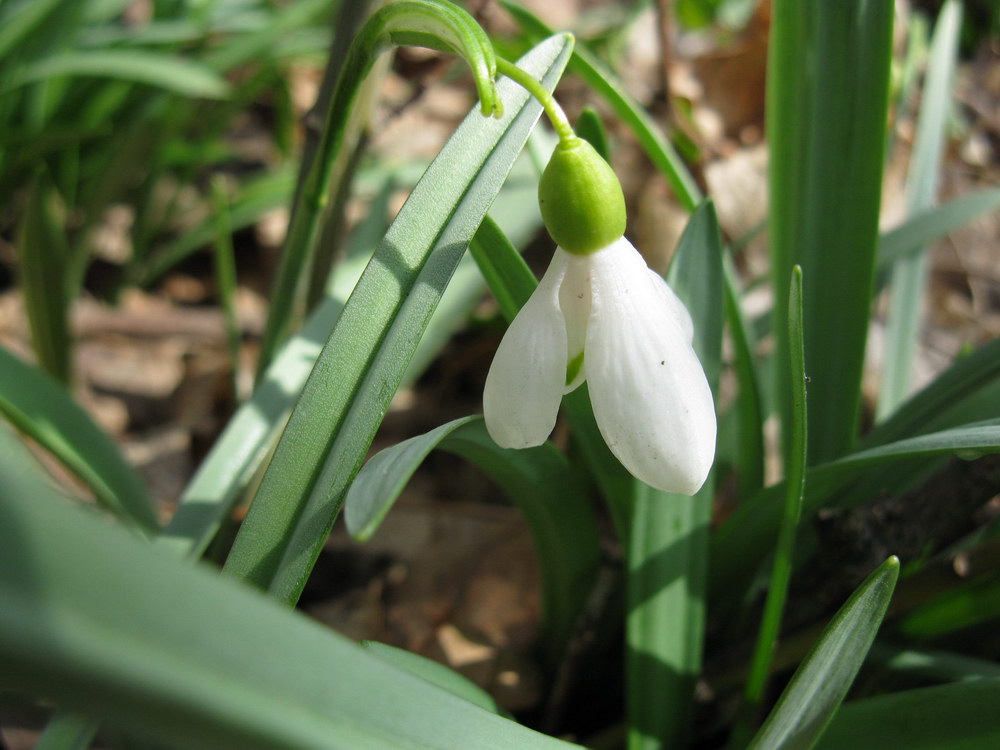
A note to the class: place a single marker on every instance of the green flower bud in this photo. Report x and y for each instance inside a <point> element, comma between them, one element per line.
<point>581,199</point>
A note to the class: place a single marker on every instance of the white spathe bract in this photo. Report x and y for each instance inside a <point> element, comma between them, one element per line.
<point>652,402</point>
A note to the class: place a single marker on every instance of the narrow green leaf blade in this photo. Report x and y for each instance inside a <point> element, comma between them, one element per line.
<point>962,716</point>
<point>828,75</point>
<point>367,354</point>
<point>909,274</point>
<point>931,224</point>
<point>164,71</point>
<point>84,624</point>
<point>822,680</point>
<point>42,257</point>
<point>744,539</point>
<point>668,546</point>
<point>41,409</point>
<point>781,573</point>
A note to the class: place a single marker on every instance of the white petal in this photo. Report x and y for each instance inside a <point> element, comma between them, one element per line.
<point>672,301</point>
<point>525,382</point>
<point>574,301</point>
<point>652,402</point>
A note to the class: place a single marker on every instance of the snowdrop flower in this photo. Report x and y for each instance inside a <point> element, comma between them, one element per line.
<point>600,314</point>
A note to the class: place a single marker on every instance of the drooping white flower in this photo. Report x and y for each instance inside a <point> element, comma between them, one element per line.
<point>606,318</point>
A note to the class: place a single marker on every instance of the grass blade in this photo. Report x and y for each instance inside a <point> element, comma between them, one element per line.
<point>335,420</point>
<point>962,716</point>
<point>40,408</point>
<point>909,274</point>
<point>84,624</point>
<point>225,279</point>
<point>828,74</point>
<point>68,731</point>
<point>932,224</point>
<point>822,680</point>
<point>668,545</point>
<point>163,71</point>
<point>43,253</point>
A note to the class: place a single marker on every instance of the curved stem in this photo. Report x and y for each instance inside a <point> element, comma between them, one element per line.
<point>553,111</point>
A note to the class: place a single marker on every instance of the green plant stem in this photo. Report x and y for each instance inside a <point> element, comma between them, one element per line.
<point>781,573</point>
<point>552,109</point>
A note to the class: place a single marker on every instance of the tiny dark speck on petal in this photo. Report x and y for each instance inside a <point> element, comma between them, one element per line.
<point>663,361</point>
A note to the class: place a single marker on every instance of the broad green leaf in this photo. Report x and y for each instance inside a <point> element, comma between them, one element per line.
<point>827,94</point>
<point>540,481</point>
<point>85,623</point>
<point>781,572</point>
<point>42,256</point>
<point>745,538</point>
<point>586,65</point>
<point>164,71</point>
<point>962,716</point>
<point>435,673</point>
<point>822,680</point>
<point>43,410</point>
<point>909,274</point>
<point>931,224</point>
<point>668,545</point>
<point>364,360</point>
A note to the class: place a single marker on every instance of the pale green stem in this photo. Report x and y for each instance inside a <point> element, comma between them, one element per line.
<point>553,111</point>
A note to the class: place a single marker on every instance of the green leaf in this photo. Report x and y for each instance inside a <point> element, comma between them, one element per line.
<point>668,546</point>
<point>750,410</point>
<point>822,680</point>
<point>436,24</point>
<point>42,257</point>
<point>962,393</point>
<point>597,76</point>
<point>781,573</point>
<point>538,480</point>
<point>84,624</point>
<point>962,716</point>
<point>505,271</point>
<point>20,19</point>
<point>43,410</point>
<point>909,274</point>
<point>334,421</point>
<point>436,674</point>
<point>249,203</point>
<point>915,233</point>
<point>960,607</point>
<point>944,666</point>
<point>168,72</point>
<point>745,538</point>
<point>828,73</point>
<point>591,129</point>
<point>68,731</point>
